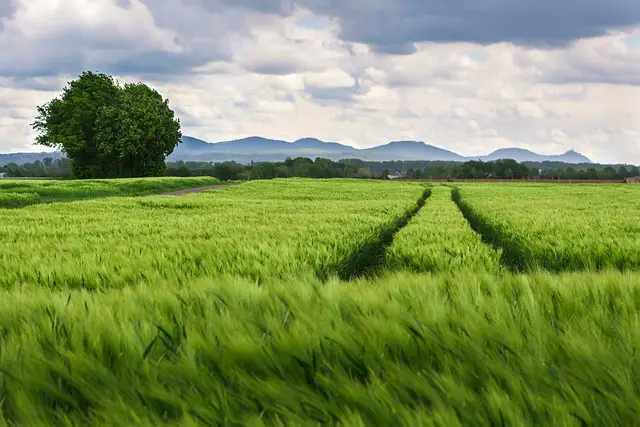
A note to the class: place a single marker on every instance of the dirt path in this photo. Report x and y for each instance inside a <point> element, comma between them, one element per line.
<point>196,190</point>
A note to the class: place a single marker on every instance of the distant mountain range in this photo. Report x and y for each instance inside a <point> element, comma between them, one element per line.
<point>262,149</point>
<point>259,149</point>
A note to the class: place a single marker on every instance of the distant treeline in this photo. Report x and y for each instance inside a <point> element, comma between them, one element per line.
<point>46,168</point>
<point>299,167</point>
<point>353,168</point>
<point>499,169</point>
<point>325,168</point>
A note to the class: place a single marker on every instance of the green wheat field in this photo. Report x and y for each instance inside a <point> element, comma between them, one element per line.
<point>315,302</point>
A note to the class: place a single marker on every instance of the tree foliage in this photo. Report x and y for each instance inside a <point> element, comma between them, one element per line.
<point>107,130</point>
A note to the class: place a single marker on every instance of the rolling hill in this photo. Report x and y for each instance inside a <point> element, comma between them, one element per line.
<point>262,149</point>
<point>522,155</point>
<point>409,150</point>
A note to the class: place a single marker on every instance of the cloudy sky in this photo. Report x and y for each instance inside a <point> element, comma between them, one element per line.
<point>467,75</point>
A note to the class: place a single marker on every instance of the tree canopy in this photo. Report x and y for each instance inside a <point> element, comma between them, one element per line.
<point>108,130</point>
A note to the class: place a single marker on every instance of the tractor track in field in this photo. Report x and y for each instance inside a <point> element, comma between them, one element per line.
<point>369,259</point>
<point>514,254</point>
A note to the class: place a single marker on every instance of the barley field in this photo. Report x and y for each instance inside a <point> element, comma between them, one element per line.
<point>314,302</point>
<point>558,228</point>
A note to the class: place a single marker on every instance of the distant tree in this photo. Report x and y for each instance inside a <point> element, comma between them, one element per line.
<point>437,172</point>
<point>623,172</point>
<point>329,169</point>
<point>282,172</point>
<point>511,169</point>
<point>263,171</point>
<point>222,171</point>
<point>349,170</point>
<point>184,170</point>
<point>508,174</point>
<point>107,130</point>
<point>608,173</point>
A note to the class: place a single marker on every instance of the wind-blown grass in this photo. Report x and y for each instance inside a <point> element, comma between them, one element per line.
<point>226,308</point>
<point>262,229</point>
<point>465,349</point>
<point>439,239</point>
<point>558,228</point>
<point>20,193</point>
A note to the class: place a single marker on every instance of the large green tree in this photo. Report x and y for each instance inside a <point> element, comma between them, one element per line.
<point>107,130</point>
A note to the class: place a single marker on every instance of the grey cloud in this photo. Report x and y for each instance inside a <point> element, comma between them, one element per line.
<point>392,25</point>
<point>405,113</point>
<point>619,73</point>
<point>279,66</point>
<point>274,68</point>
<point>240,104</point>
<point>587,63</point>
<point>280,7</point>
<point>204,37</point>
<point>395,49</point>
<point>160,65</point>
<point>7,7</point>
<point>44,84</point>
<point>332,95</point>
<point>569,76</point>
<point>67,62</point>
<point>198,19</point>
<point>205,28</point>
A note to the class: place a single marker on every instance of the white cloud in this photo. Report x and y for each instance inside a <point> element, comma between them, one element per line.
<point>232,73</point>
<point>488,133</point>
<point>528,110</point>
<point>47,35</point>
<point>329,79</point>
<point>603,59</point>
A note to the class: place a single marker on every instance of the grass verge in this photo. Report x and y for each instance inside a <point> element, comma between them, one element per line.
<point>21,193</point>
